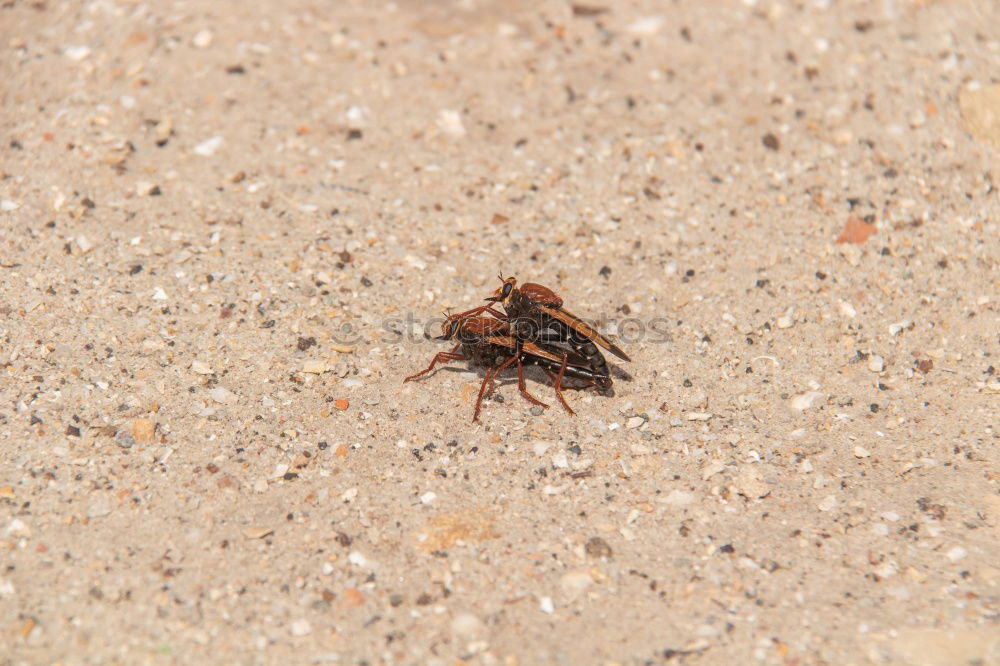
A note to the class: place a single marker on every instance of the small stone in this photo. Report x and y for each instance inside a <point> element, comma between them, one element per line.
<point>314,367</point>
<point>861,452</point>
<point>300,628</point>
<point>8,206</point>
<point>201,368</point>
<point>450,123</point>
<point>84,244</point>
<point>846,309</point>
<point>159,294</point>
<point>649,25</point>
<point>851,253</point>
<point>208,147</point>
<point>203,39</point>
<point>597,547</point>
<point>978,106</point>
<point>546,606</point>
<point>77,53</point>
<point>17,528</point>
<point>257,532</point>
<point>750,483</point>
<point>804,401</point>
<point>876,363</point>
<point>785,321</point>
<point>143,430</point>
<point>222,395</point>
<point>900,326</point>
<point>537,411</point>
<point>634,422</point>
<point>541,447</point>
<point>956,554</point>
<point>467,625</point>
<point>145,188</point>
<point>828,503</point>
<point>428,497</point>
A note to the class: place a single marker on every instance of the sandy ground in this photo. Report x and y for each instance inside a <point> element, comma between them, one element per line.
<point>226,225</point>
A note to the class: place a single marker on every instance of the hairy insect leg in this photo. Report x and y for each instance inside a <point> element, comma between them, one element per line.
<point>520,379</point>
<point>487,380</point>
<point>557,383</point>
<point>474,312</point>
<point>440,357</point>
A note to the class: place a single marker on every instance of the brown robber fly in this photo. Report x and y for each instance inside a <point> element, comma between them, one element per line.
<point>536,313</point>
<point>488,342</point>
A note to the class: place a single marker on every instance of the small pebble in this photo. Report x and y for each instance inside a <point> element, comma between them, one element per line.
<point>450,123</point>
<point>597,547</point>
<point>634,422</point>
<point>300,628</point>
<point>649,25</point>
<point>208,147</point>
<point>145,188</point>
<point>200,368</point>
<point>222,394</point>
<point>956,554</point>
<point>428,497</point>
<point>537,411</point>
<point>861,452</point>
<point>828,503</point>
<point>159,294</point>
<point>899,327</point>
<point>314,367</point>
<point>804,401</point>
<point>785,321</point>
<point>546,605</point>
<point>466,624</point>
<point>541,447</point>
<point>84,244</point>
<point>77,53</point>
<point>876,363</point>
<point>846,309</point>
<point>203,39</point>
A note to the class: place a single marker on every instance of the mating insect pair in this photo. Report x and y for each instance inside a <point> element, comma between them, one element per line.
<point>534,330</point>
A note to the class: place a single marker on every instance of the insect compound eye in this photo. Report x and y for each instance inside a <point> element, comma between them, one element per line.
<point>506,290</point>
<point>453,329</point>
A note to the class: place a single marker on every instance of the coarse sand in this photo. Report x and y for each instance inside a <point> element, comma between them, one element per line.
<point>229,229</point>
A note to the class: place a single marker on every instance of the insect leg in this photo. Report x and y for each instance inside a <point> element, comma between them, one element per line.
<point>440,357</point>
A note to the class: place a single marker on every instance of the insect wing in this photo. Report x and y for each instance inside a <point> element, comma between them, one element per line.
<point>584,329</point>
